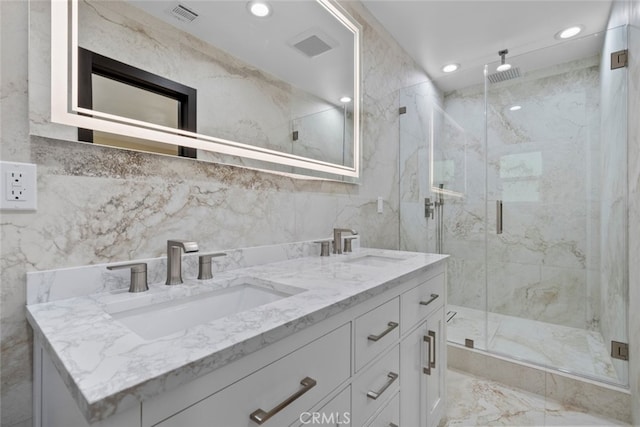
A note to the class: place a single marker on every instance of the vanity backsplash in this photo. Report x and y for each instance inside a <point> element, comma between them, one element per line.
<point>54,285</point>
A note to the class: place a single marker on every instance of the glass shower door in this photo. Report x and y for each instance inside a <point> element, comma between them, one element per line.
<point>556,204</point>
<point>546,281</point>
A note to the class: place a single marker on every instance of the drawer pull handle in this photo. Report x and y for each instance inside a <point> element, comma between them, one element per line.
<point>260,416</point>
<point>392,376</point>
<point>433,298</point>
<point>432,362</point>
<point>427,369</point>
<point>391,327</point>
<point>393,425</point>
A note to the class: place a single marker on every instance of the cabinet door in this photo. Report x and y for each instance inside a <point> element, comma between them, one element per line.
<point>414,356</point>
<point>438,368</point>
<point>422,373</point>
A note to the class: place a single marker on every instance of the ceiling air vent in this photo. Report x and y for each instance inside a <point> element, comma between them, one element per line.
<point>183,13</point>
<point>313,42</point>
<point>312,46</point>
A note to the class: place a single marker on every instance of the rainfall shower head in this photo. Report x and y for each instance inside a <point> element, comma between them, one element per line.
<point>503,76</point>
<point>504,71</point>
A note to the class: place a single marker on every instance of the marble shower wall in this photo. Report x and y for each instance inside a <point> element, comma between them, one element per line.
<point>634,207</point>
<point>613,204</point>
<point>99,204</point>
<point>542,266</point>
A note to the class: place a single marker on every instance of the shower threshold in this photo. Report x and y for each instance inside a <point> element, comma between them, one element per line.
<point>572,350</point>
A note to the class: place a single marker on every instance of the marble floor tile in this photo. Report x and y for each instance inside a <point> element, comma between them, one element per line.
<point>473,401</point>
<point>569,349</point>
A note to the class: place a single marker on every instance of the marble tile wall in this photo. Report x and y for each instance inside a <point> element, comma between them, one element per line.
<point>99,205</point>
<point>542,266</point>
<point>634,208</point>
<point>613,203</point>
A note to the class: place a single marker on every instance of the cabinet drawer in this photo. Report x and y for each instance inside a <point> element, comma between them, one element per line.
<point>376,384</point>
<point>389,416</point>
<point>292,384</point>
<point>375,331</point>
<point>335,413</point>
<point>418,302</point>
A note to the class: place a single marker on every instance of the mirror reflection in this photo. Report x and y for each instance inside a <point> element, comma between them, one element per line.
<point>250,88</point>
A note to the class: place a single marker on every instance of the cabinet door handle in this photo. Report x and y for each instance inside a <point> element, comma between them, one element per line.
<point>432,362</point>
<point>432,299</point>
<point>427,369</point>
<point>260,416</point>
<point>392,376</point>
<point>391,327</point>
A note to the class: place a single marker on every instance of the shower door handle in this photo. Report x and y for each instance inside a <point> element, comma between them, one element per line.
<point>498,216</point>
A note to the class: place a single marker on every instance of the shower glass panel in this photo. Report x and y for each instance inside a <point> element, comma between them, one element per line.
<point>547,150</point>
<point>556,164</point>
<point>442,144</point>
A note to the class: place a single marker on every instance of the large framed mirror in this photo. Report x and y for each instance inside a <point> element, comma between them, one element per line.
<point>203,79</point>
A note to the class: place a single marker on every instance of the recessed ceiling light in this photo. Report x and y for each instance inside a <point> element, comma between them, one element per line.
<point>345,99</point>
<point>515,108</point>
<point>259,8</point>
<point>450,68</point>
<point>569,32</point>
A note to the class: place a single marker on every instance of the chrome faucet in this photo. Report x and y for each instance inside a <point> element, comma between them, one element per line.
<point>174,259</point>
<point>337,238</point>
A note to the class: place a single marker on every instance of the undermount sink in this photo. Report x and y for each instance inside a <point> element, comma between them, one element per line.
<point>374,260</point>
<point>155,320</point>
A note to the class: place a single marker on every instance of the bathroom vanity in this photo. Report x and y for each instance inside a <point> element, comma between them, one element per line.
<point>288,340</point>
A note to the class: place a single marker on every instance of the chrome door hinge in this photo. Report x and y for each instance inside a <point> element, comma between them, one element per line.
<point>619,59</point>
<point>620,350</point>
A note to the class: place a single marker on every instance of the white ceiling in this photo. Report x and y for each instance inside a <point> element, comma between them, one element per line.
<point>471,32</point>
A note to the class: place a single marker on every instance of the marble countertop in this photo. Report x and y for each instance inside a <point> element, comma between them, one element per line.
<point>109,368</point>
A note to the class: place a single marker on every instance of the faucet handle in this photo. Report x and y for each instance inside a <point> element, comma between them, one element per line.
<point>204,265</point>
<point>347,243</point>
<point>138,281</point>
<point>324,246</point>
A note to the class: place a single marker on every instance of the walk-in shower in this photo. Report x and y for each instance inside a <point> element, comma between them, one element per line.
<point>530,173</point>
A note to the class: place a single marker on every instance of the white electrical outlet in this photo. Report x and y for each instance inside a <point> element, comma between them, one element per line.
<point>19,186</point>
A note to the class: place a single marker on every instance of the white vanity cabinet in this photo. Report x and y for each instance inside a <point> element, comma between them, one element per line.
<point>380,362</point>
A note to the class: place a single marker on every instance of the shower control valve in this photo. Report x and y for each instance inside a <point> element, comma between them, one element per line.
<point>428,208</point>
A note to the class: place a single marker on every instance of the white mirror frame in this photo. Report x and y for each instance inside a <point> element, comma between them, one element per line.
<point>65,110</point>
